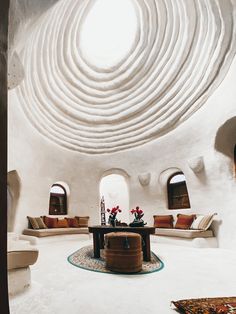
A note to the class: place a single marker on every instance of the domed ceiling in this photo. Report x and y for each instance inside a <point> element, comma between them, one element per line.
<point>88,92</point>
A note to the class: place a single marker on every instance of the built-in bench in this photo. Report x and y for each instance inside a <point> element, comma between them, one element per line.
<point>40,236</point>
<point>20,255</point>
<point>189,230</point>
<point>54,231</point>
<point>182,233</point>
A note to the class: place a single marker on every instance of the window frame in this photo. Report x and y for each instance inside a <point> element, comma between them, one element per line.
<point>171,204</point>
<point>63,196</point>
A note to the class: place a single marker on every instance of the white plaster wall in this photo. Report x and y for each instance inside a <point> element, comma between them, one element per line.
<point>40,163</point>
<point>115,190</point>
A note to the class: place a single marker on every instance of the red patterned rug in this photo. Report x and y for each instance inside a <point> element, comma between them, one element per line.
<point>207,306</point>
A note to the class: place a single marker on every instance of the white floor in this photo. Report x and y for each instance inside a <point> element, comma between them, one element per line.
<point>61,288</point>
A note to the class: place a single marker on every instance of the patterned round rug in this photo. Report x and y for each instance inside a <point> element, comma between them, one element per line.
<point>83,258</point>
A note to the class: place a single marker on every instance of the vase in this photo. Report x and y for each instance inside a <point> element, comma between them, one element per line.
<point>112,221</point>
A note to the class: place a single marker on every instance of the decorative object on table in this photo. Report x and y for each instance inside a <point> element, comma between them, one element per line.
<point>112,220</point>
<point>103,212</point>
<point>144,178</point>
<point>121,224</point>
<point>225,305</point>
<point>83,258</point>
<point>138,221</point>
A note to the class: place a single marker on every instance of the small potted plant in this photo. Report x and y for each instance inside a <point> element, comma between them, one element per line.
<point>112,220</point>
<point>138,214</point>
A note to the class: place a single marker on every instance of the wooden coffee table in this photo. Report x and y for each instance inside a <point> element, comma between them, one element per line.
<point>99,231</point>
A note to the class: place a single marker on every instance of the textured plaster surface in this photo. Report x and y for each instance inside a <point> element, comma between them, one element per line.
<point>180,52</point>
<point>59,287</point>
<point>40,160</point>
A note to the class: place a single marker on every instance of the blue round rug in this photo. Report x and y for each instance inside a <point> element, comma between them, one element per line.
<point>83,258</point>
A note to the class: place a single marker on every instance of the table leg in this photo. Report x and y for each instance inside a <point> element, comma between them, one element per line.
<point>96,245</point>
<point>146,248</point>
<point>101,240</point>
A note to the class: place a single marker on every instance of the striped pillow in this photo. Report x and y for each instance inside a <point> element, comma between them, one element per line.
<point>40,223</point>
<point>202,222</point>
<point>33,222</point>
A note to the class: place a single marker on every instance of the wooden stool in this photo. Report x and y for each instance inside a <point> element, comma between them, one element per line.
<point>123,252</point>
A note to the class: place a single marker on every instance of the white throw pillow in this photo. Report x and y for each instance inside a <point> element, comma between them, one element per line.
<point>202,222</point>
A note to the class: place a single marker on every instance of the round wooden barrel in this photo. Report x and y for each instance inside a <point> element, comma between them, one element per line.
<point>123,252</point>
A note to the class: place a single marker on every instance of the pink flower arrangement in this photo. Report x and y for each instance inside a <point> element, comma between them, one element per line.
<point>114,211</point>
<point>138,213</point>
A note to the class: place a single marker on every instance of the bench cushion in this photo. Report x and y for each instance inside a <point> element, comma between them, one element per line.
<point>184,233</point>
<point>54,231</point>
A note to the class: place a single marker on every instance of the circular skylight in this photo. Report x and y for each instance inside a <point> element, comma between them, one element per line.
<point>108,32</point>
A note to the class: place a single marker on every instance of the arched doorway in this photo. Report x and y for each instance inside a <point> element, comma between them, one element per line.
<point>115,190</point>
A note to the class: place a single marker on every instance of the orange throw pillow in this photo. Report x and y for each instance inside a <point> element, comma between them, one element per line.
<point>50,222</point>
<point>62,223</point>
<point>82,221</point>
<point>184,221</point>
<point>163,221</point>
<point>72,222</point>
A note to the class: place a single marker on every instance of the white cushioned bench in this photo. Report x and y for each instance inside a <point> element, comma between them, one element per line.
<point>191,238</point>
<point>54,231</point>
<point>40,236</point>
<point>182,233</point>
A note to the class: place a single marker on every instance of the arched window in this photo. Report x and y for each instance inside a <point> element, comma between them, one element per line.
<point>58,200</point>
<point>177,192</point>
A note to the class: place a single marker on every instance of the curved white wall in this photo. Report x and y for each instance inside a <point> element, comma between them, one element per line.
<point>40,161</point>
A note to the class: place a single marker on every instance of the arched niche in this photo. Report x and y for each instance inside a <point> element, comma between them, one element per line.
<point>225,139</point>
<point>13,195</point>
<point>115,189</point>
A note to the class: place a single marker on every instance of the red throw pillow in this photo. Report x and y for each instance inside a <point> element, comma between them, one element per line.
<point>62,223</point>
<point>163,221</point>
<point>184,221</point>
<point>50,222</point>
<point>72,222</point>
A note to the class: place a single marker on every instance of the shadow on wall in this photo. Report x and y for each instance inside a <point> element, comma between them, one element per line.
<point>13,195</point>
<point>225,139</point>
<point>216,226</point>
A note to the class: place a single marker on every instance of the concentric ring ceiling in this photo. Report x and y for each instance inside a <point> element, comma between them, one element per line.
<point>180,52</point>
